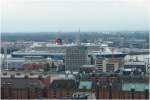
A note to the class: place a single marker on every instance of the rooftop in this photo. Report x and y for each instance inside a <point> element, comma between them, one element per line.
<point>21,74</point>
<point>21,83</point>
<point>139,87</point>
<point>85,85</point>
<point>63,84</point>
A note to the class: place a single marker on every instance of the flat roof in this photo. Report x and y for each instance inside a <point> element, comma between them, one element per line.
<point>85,84</point>
<point>139,87</point>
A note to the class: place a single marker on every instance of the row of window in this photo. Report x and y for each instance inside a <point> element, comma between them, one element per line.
<point>10,92</point>
<point>55,93</point>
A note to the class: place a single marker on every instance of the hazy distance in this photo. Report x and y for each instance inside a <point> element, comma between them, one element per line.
<point>70,15</point>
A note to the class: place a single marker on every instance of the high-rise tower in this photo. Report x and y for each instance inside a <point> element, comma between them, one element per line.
<point>75,57</point>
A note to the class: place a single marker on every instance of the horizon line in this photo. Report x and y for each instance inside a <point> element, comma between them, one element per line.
<point>77,31</point>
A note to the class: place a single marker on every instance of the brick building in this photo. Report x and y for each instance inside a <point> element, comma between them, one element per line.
<point>122,91</point>
<point>113,77</point>
<point>135,91</point>
<point>17,85</point>
<point>108,86</point>
<point>100,86</point>
<point>62,89</point>
<point>18,88</point>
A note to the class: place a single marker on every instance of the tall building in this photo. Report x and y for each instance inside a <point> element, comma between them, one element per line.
<point>75,57</point>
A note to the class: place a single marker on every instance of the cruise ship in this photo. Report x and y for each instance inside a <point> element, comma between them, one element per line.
<point>106,52</point>
<point>57,52</point>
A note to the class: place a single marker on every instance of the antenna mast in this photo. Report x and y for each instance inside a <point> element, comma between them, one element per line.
<point>78,38</point>
<point>5,55</point>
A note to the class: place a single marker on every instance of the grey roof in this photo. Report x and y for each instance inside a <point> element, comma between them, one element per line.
<point>21,83</point>
<point>63,84</point>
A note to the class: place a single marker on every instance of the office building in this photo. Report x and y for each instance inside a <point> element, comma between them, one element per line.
<point>75,57</point>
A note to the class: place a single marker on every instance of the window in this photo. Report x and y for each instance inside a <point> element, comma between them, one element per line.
<point>68,94</point>
<point>10,92</point>
<point>28,93</point>
<point>54,94</point>
<point>109,67</point>
<point>37,91</point>
<point>61,93</point>
<point>146,94</point>
<point>128,95</point>
<point>110,92</point>
<point>132,93</point>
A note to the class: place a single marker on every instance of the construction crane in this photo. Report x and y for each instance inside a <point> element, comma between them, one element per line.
<point>130,50</point>
<point>113,60</point>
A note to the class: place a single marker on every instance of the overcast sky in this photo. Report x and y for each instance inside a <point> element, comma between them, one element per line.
<point>70,15</point>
